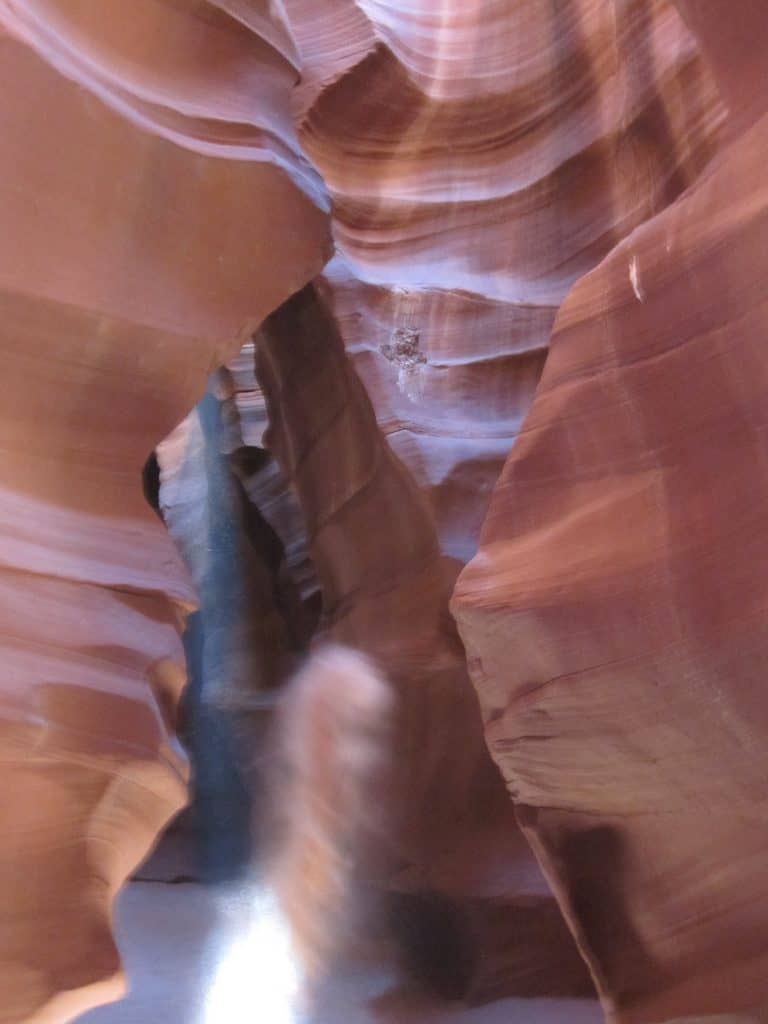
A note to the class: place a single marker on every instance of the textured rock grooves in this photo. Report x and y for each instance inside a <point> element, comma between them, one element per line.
<point>385,590</point>
<point>490,163</point>
<point>481,158</point>
<point>623,560</point>
<point>373,543</point>
<point>154,207</point>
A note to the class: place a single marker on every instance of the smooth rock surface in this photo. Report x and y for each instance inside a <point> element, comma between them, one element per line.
<point>481,158</point>
<point>155,207</point>
<point>614,617</point>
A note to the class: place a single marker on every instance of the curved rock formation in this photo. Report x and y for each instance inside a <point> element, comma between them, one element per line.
<point>481,158</point>
<point>373,543</point>
<point>155,207</point>
<point>615,614</point>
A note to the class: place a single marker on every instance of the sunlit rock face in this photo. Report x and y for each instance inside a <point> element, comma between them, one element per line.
<point>615,614</point>
<point>485,160</point>
<point>155,207</point>
<point>481,158</point>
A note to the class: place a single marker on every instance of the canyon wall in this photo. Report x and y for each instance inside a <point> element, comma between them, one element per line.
<point>480,163</point>
<point>481,159</point>
<point>623,562</point>
<point>155,207</point>
<point>547,223</point>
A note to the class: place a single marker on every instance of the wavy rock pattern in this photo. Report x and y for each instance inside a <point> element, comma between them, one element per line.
<point>622,561</point>
<point>155,207</point>
<point>481,158</point>
<point>373,544</point>
<point>385,590</point>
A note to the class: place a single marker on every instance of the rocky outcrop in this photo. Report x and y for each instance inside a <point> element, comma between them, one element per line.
<point>155,208</point>
<point>614,616</point>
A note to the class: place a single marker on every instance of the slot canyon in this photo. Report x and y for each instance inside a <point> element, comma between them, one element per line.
<point>383,589</point>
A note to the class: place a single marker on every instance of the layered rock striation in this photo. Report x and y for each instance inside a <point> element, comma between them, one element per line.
<point>155,208</point>
<point>614,615</point>
<point>495,170</point>
<point>481,159</point>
